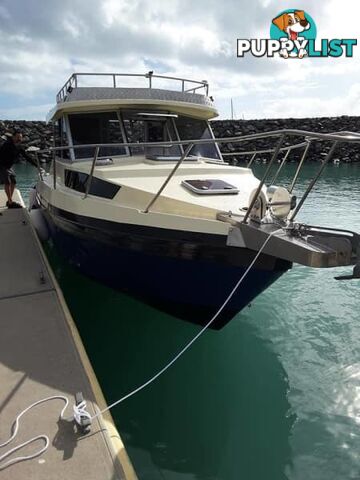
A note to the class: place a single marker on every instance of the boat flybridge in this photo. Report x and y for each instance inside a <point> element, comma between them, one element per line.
<point>140,197</point>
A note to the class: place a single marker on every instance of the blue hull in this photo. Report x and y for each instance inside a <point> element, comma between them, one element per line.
<point>173,281</point>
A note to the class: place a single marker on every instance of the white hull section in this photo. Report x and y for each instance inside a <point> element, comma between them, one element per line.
<point>139,181</point>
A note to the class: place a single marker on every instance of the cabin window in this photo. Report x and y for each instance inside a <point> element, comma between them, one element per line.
<point>145,126</point>
<point>60,138</point>
<point>137,126</point>
<point>89,128</point>
<point>193,129</point>
<point>100,188</point>
<point>157,126</point>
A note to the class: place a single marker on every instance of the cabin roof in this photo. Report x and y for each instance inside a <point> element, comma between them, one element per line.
<point>74,98</point>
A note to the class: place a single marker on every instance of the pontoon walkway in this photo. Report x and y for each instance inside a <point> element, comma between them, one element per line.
<point>41,355</point>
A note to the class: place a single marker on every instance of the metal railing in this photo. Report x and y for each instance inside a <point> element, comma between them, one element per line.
<point>185,85</point>
<point>309,137</point>
<point>255,153</point>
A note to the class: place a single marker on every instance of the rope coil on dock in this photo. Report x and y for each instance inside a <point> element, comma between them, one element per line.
<point>79,413</point>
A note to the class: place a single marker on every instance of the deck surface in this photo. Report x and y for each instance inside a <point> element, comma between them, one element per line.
<point>40,357</point>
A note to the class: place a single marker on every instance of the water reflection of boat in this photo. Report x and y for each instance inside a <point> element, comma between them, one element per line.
<point>140,198</point>
<point>214,415</point>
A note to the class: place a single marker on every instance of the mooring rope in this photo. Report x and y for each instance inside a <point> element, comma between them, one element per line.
<point>79,411</point>
<point>193,340</point>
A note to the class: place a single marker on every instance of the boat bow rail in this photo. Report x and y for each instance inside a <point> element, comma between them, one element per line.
<point>309,245</point>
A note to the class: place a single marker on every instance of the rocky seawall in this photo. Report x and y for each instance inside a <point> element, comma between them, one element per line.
<point>39,134</point>
<point>35,133</point>
<point>346,152</point>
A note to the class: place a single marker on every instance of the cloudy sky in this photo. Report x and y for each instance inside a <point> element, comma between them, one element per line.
<point>43,42</point>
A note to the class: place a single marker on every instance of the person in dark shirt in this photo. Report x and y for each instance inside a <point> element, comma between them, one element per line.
<point>10,150</point>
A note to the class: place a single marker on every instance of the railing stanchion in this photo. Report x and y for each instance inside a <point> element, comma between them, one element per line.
<point>38,166</point>
<point>114,81</point>
<point>299,167</point>
<point>172,173</point>
<point>280,166</point>
<point>54,170</point>
<point>89,180</point>
<point>314,180</point>
<point>258,190</point>
<point>251,160</point>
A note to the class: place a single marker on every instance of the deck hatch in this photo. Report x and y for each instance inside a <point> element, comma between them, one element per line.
<point>210,187</point>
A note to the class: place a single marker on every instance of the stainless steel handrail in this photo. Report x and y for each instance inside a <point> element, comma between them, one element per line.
<point>89,180</point>
<point>73,81</point>
<point>294,180</point>
<point>335,138</point>
<point>268,150</point>
<point>275,177</point>
<point>172,173</point>
<point>262,181</point>
<point>314,180</point>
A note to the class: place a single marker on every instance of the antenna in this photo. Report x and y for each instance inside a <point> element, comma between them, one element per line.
<point>232,109</point>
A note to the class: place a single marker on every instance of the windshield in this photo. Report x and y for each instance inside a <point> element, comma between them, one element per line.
<point>193,129</point>
<point>88,128</point>
<point>142,126</point>
<point>136,126</point>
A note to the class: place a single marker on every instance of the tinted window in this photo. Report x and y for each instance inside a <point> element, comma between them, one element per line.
<point>192,129</point>
<point>147,128</point>
<point>100,188</point>
<point>60,139</point>
<point>88,128</point>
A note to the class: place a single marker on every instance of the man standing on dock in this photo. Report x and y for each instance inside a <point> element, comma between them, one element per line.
<point>9,153</point>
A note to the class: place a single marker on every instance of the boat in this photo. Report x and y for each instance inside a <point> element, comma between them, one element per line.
<point>139,197</point>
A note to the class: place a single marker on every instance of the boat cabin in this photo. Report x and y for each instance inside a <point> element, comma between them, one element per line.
<point>90,115</point>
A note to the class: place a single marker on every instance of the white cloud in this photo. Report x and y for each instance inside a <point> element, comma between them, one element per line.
<point>4,13</point>
<point>30,112</point>
<point>43,43</point>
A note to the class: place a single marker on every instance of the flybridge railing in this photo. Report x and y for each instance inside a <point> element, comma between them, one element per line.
<point>308,137</point>
<point>184,85</point>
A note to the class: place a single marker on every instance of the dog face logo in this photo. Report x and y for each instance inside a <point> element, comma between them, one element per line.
<point>296,25</point>
<point>292,23</point>
<point>293,35</point>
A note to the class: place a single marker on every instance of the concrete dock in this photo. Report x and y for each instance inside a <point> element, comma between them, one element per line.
<point>41,354</point>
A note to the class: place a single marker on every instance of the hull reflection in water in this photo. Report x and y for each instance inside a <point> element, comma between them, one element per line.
<point>220,413</point>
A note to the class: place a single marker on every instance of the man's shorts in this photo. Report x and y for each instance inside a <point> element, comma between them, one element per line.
<point>7,176</point>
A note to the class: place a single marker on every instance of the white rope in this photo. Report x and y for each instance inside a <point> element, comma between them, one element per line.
<point>78,410</point>
<point>193,340</point>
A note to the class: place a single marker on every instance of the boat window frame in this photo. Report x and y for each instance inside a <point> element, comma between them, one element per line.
<point>164,116</point>
<point>207,123</point>
<point>128,152</point>
<point>70,140</point>
<point>98,188</point>
<point>215,143</point>
<point>60,130</point>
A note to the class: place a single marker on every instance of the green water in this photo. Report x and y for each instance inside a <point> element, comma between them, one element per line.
<point>274,395</point>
